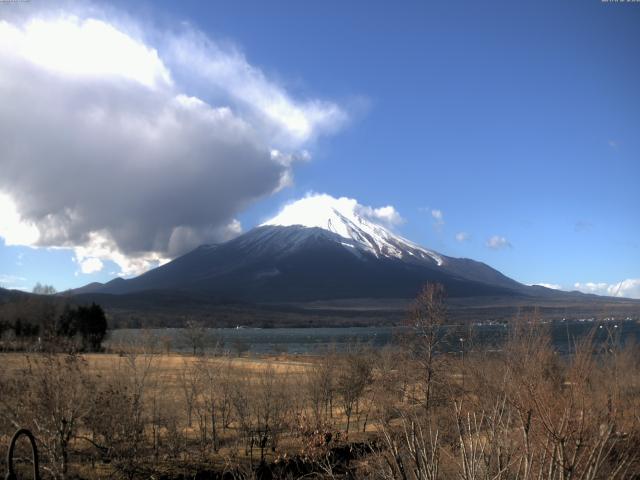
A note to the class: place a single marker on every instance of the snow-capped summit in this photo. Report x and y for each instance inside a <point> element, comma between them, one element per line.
<point>361,227</point>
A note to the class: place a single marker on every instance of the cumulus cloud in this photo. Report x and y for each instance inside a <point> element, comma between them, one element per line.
<point>498,242</point>
<point>13,229</point>
<point>113,157</point>
<point>462,237</point>
<point>629,288</point>
<point>387,215</point>
<point>91,265</point>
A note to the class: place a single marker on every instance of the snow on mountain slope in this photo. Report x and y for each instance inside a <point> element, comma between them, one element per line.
<point>354,223</point>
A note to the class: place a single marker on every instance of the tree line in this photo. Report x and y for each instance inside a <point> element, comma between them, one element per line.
<point>48,322</point>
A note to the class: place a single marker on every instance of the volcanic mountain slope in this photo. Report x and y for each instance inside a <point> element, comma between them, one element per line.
<point>319,248</point>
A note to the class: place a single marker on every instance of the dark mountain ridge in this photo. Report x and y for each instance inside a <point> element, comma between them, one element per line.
<point>288,264</point>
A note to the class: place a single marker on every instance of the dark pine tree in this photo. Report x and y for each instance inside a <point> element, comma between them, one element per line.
<point>91,324</point>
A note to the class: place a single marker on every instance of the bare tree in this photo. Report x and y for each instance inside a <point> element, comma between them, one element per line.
<point>262,407</point>
<point>319,383</point>
<point>270,407</point>
<point>388,388</point>
<point>189,381</point>
<point>213,375</point>
<point>427,320</point>
<point>42,289</point>
<point>354,376</point>
<point>241,396</point>
<point>195,335</point>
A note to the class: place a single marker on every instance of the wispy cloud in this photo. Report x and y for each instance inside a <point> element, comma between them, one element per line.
<point>498,242</point>
<point>13,282</point>
<point>11,279</point>
<point>438,219</point>
<point>226,69</point>
<point>582,226</point>
<point>629,288</point>
<point>462,237</point>
<point>552,286</point>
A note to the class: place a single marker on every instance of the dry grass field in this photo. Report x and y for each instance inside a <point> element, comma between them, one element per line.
<point>412,412</point>
<point>180,399</point>
<point>168,366</point>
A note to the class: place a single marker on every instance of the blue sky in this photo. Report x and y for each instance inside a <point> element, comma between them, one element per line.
<point>519,122</point>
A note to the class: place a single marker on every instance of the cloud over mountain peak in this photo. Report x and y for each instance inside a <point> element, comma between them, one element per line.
<point>114,157</point>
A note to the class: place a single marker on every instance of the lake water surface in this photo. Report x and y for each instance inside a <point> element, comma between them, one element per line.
<point>317,340</point>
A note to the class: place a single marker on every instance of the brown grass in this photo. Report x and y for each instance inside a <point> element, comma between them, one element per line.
<point>521,413</point>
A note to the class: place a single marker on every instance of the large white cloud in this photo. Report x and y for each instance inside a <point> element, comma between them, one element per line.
<point>629,288</point>
<point>102,150</point>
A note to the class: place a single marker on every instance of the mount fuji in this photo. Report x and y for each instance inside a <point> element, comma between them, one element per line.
<point>318,248</point>
<point>326,262</point>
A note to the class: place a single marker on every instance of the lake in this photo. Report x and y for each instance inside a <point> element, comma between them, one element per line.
<point>317,340</point>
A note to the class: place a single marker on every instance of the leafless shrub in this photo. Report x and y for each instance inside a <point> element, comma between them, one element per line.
<point>189,382</point>
<point>320,388</point>
<point>214,403</point>
<point>354,376</point>
<point>120,431</point>
<point>410,452</point>
<point>50,397</point>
